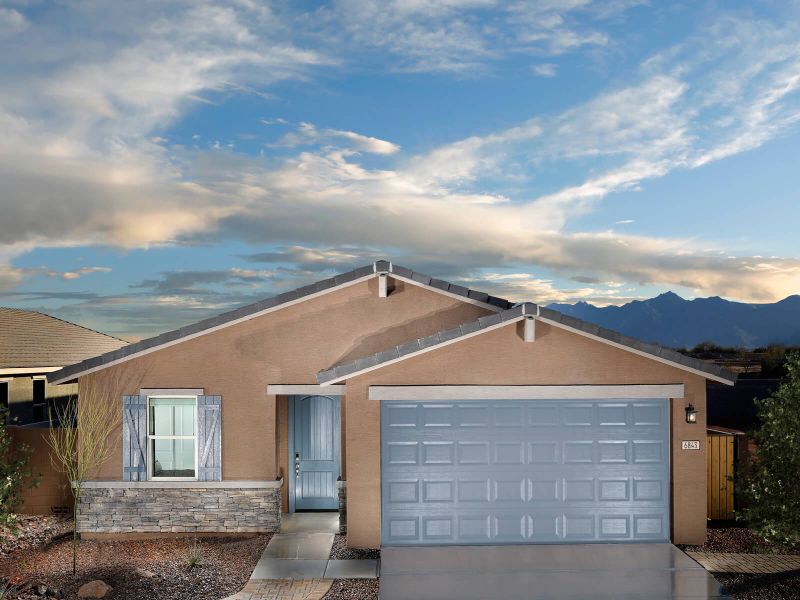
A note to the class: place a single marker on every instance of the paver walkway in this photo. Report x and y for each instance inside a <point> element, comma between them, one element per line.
<point>284,589</point>
<point>730,562</point>
<point>295,564</point>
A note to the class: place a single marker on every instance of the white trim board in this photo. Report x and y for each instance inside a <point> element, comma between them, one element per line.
<point>171,392</point>
<point>423,351</point>
<point>27,370</point>
<point>282,389</point>
<point>185,484</point>
<point>524,392</point>
<point>665,361</point>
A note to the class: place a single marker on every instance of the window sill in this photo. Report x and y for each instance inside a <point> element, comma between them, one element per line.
<point>184,484</point>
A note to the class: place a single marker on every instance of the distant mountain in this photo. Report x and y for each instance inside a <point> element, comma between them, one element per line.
<point>672,321</point>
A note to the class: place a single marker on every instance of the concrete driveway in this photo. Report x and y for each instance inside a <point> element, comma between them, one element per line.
<point>551,572</point>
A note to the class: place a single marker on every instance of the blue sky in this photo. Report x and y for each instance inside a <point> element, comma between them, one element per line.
<point>161,162</point>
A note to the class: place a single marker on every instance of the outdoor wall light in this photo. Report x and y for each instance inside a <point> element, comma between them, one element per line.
<point>691,414</point>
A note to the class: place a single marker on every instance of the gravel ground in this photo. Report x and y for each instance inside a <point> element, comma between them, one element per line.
<point>353,589</point>
<point>739,539</point>
<point>777,586</point>
<point>340,551</point>
<point>33,531</point>
<point>151,569</point>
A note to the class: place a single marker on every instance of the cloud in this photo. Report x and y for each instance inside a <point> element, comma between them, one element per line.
<point>84,271</point>
<point>625,222</point>
<point>522,286</point>
<point>465,36</point>
<point>544,70</point>
<point>12,22</point>
<point>308,134</point>
<point>81,147</point>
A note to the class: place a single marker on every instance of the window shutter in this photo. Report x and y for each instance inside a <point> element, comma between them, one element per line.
<point>209,438</point>
<point>134,438</point>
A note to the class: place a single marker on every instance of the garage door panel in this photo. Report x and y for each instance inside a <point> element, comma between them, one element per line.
<point>491,472</point>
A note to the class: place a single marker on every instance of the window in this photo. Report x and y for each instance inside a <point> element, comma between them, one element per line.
<point>39,401</point>
<point>3,396</point>
<point>172,437</point>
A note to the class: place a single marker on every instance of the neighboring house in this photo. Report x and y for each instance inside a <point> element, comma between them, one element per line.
<point>428,413</point>
<point>732,415</point>
<point>32,345</point>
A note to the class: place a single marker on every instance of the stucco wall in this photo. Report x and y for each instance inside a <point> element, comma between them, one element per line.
<point>288,346</point>
<point>557,357</point>
<point>53,491</point>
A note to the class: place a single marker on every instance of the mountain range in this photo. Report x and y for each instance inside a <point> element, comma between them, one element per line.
<point>673,321</point>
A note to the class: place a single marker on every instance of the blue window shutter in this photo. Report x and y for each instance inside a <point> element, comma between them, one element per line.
<point>209,438</point>
<point>134,438</point>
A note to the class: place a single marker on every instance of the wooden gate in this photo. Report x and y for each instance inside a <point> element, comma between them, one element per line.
<point>720,467</point>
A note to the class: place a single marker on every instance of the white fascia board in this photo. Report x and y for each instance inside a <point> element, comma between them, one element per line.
<point>27,370</point>
<point>281,389</point>
<point>665,361</point>
<point>422,351</point>
<point>524,392</point>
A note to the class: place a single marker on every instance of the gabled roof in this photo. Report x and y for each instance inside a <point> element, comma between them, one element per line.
<point>31,341</point>
<point>275,303</point>
<point>464,331</point>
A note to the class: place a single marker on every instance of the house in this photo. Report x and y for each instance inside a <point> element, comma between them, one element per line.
<point>33,344</point>
<point>425,412</point>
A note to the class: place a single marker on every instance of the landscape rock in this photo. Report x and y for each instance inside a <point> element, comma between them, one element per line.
<point>145,573</point>
<point>94,589</point>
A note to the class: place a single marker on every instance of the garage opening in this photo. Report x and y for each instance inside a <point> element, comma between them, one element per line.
<point>524,472</point>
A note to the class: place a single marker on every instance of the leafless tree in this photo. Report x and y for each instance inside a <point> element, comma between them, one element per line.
<point>82,436</point>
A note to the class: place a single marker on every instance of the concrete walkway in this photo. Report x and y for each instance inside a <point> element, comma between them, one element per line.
<point>730,562</point>
<point>295,564</point>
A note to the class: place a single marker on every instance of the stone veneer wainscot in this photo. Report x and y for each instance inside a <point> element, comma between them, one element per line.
<point>179,507</point>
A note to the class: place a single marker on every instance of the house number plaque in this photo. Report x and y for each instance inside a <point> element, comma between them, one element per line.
<point>690,445</point>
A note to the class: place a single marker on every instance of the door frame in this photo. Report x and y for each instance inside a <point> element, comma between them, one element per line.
<point>337,426</point>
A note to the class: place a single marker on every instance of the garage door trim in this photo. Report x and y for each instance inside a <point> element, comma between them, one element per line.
<point>434,393</point>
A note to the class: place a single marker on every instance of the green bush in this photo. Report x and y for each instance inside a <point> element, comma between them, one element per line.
<point>770,482</point>
<point>14,459</point>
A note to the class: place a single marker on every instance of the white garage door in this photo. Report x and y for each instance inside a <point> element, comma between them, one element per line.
<point>521,472</point>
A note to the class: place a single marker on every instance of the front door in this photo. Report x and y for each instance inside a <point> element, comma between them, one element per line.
<point>314,452</point>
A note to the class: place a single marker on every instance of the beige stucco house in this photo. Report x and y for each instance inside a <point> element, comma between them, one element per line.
<point>33,344</point>
<point>426,412</point>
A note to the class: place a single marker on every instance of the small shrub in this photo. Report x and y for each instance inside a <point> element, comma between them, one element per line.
<point>6,590</point>
<point>195,556</point>
<point>770,483</point>
<point>14,471</point>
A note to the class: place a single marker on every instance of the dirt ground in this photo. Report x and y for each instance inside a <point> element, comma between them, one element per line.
<point>152,569</point>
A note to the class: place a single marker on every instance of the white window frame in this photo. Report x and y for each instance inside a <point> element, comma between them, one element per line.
<point>150,438</point>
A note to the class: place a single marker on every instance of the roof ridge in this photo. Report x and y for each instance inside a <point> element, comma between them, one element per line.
<point>272,302</point>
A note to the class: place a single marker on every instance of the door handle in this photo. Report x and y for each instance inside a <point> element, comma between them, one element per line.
<point>297,464</point>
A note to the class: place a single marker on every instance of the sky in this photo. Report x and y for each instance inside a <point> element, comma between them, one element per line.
<point>161,162</point>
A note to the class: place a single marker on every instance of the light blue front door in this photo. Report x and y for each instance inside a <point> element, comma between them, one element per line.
<point>314,452</point>
<point>524,472</point>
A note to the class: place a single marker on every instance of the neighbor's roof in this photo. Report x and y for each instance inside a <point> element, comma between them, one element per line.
<point>521,311</point>
<point>276,302</point>
<point>31,340</point>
